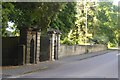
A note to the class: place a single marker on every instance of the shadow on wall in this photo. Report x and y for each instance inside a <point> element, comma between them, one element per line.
<point>44,48</point>
<point>9,50</point>
<point>14,54</point>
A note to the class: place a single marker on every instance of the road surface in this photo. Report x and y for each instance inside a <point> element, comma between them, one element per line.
<point>102,66</point>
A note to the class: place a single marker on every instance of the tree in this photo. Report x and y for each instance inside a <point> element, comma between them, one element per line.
<point>107,18</point>
<point>69,18</point>
<point>118,24</point>
<point>30,14</point>
<point>78,34</point>
<point>7,10</point>
<point>65,20</point>
<point>101,23</point>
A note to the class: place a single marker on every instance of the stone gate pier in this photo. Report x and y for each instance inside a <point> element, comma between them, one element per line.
<point>30,39</point>
<point>54,47</point>
<point>34,49</point>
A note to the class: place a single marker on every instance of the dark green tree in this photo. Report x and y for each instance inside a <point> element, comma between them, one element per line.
<point>30,14</point>
<point>107,17</point>
<point>65,20</point>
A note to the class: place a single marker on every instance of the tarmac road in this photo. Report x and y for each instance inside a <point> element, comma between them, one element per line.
<point>102,66</point>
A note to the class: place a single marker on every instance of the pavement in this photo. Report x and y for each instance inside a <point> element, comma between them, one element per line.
<point>16,71</point>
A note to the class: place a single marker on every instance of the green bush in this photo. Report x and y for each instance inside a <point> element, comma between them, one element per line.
<point>67,41</point>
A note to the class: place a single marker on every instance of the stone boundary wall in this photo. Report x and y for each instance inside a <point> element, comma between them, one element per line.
<point>14,54</point>
<point>66,50</point>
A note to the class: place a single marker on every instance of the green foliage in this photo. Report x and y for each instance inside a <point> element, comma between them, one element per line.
<point>78,33</point>
<point>68,17</point>
<point>30,14</point>
<point>101,23</point>
<point>38,13</point>
<point>65,20</point>
<point>67,41</point>
<point>107,17</point>
<point>7,10</point>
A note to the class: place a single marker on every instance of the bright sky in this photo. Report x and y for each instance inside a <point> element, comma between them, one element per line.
<point>116,2</point>
<point>9,25</point>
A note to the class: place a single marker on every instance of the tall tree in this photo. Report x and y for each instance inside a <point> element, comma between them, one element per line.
<point>107,18</point>
<point>118,23</point>
<point>85,18</point>
<point>29,14</point>
<point>65,20</point>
